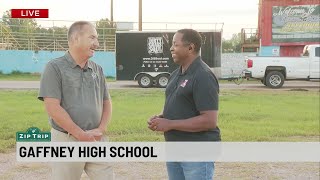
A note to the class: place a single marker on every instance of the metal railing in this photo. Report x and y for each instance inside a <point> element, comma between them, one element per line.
<point>51,38</point>
<point>51,35</point>
<point>174,26</point>
<point>249,36</point>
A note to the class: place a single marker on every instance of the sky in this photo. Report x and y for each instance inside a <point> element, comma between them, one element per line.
<point>234,14</point>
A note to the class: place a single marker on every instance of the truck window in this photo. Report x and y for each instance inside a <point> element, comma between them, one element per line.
<point>317,51</point>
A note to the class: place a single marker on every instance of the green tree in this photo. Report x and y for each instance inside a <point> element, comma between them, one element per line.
<point>53,38</point>
<point>232,45</point>
<point>226,46</point>
<point>22,31</point>
<point>106,31</point>
<point>27,34</point>
<point>60,35</point>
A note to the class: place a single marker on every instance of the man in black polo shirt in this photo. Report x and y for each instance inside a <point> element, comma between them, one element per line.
<point>191,107</point>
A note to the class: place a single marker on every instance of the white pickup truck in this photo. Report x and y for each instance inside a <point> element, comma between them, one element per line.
<point>273,71</point>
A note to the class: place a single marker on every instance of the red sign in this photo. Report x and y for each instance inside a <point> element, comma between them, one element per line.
<point>29,13</point>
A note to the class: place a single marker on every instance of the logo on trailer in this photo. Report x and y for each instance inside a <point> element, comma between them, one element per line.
<point>155,45</point>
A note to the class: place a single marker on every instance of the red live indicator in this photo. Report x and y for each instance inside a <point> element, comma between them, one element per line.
<point>29,13</point>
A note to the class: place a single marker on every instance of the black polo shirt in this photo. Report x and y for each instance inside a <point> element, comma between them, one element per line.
<point>187,94</point>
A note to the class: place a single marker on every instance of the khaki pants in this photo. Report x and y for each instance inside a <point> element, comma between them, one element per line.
<point>73,170</point>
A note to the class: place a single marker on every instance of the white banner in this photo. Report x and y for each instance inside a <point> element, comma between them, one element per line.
<point>168,151</point>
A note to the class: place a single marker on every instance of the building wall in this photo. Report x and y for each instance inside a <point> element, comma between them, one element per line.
<point>269,51</point>
<point>29,61</point>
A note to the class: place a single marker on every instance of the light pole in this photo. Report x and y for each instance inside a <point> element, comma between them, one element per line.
<point>140,15</point>
<point>111,11</point>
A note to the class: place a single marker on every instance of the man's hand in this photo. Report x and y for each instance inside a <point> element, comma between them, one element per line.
<point>85,136</point>
<point>96,133</point>
<point>159,124</point>
<point>151,119</point>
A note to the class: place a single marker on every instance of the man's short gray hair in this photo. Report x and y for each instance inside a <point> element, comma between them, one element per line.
<point>77,27</point>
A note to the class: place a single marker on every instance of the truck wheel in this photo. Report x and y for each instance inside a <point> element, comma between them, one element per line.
<point>145,81</point>
<point>275,79</point>
<point>162,80</point>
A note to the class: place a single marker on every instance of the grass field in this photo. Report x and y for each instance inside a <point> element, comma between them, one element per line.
<point>19,77</point>
<point>244,115</point>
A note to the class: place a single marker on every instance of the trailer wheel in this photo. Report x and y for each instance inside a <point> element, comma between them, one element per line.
<point>162,80</point>
<point>145,80</point>
<point>275,79</point>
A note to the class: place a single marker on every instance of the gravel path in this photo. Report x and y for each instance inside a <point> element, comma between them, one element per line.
<point>250,85</point>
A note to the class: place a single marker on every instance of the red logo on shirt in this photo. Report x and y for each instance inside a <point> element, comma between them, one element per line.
<point>184,83</point>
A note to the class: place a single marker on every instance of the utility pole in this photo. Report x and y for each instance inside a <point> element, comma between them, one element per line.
<point>111,11</point>
<point>140,15</point>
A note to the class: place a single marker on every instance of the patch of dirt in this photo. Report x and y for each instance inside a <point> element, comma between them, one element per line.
<point>303,138</point>
<point>13,170</point>
<point>288,171</point>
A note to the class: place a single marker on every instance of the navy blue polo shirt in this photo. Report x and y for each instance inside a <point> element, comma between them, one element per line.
<point>187,94</point>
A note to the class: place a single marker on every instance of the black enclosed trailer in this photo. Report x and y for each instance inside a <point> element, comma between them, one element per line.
<point>146,57</point>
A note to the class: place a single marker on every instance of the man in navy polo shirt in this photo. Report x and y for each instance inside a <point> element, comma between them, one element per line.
<point>191,107</point>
